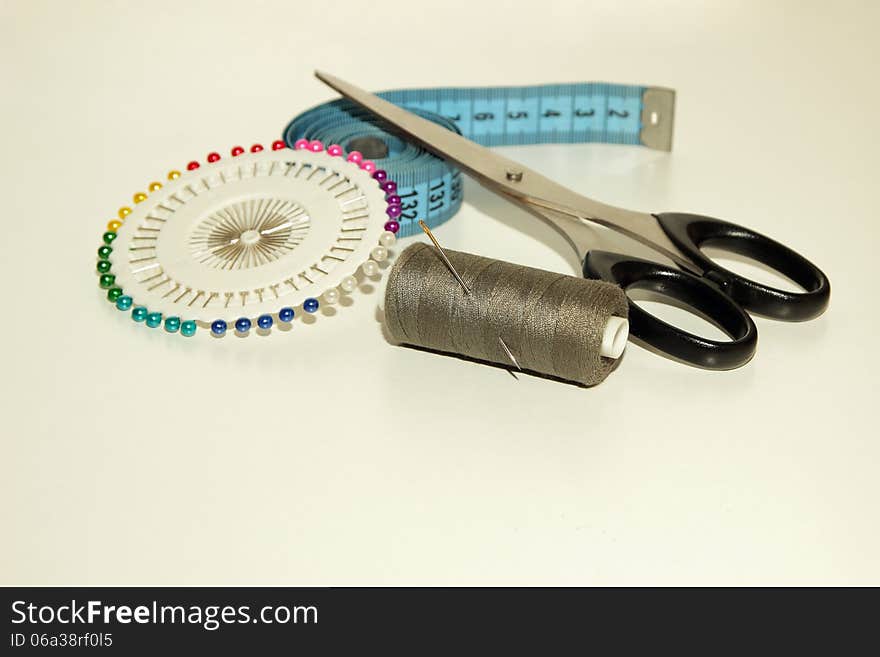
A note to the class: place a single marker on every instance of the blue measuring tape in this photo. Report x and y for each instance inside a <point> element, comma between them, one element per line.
<point>429,188</point>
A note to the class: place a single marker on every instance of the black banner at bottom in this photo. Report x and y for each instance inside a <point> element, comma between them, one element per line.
<point>229,620</point>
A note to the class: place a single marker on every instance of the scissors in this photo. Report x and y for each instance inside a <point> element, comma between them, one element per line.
<point>697,282</point>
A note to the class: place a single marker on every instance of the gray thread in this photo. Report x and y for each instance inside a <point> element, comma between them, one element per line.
<point>553,323</point>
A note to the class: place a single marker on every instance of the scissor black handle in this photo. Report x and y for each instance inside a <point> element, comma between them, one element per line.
<point>695,292</point>
<point>689,232</point>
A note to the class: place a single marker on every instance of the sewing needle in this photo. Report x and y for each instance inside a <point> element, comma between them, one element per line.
<point>442,253</point>
<point>467,290</point>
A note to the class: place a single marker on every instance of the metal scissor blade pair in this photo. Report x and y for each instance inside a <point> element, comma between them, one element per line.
<point>559,205</point>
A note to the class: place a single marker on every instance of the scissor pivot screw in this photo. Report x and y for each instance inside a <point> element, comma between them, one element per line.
<point>514,176</point>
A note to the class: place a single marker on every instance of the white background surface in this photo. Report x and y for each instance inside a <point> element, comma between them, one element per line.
<point>326,455</point>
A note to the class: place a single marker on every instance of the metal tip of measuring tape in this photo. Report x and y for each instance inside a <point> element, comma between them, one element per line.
<point>658,117</point>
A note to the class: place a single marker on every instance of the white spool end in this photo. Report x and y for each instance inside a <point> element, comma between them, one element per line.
<point>614,337</point>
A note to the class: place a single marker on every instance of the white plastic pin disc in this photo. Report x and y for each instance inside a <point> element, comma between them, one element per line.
<point>245,236</point>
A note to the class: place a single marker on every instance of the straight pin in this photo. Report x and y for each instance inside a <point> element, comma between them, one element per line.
<point>183,294</point>
<point>196,298</point>
<point>510,356</point>
<point>159,284</point>
<point>153,277</point>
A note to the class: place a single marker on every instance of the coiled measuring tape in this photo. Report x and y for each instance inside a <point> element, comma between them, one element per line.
<point>429,188</point>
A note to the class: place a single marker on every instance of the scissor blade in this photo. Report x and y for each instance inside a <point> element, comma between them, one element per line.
<point>514,181</point>
<point>478,161</point>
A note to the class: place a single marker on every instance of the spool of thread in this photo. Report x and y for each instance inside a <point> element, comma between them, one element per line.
<point>556,325</point>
